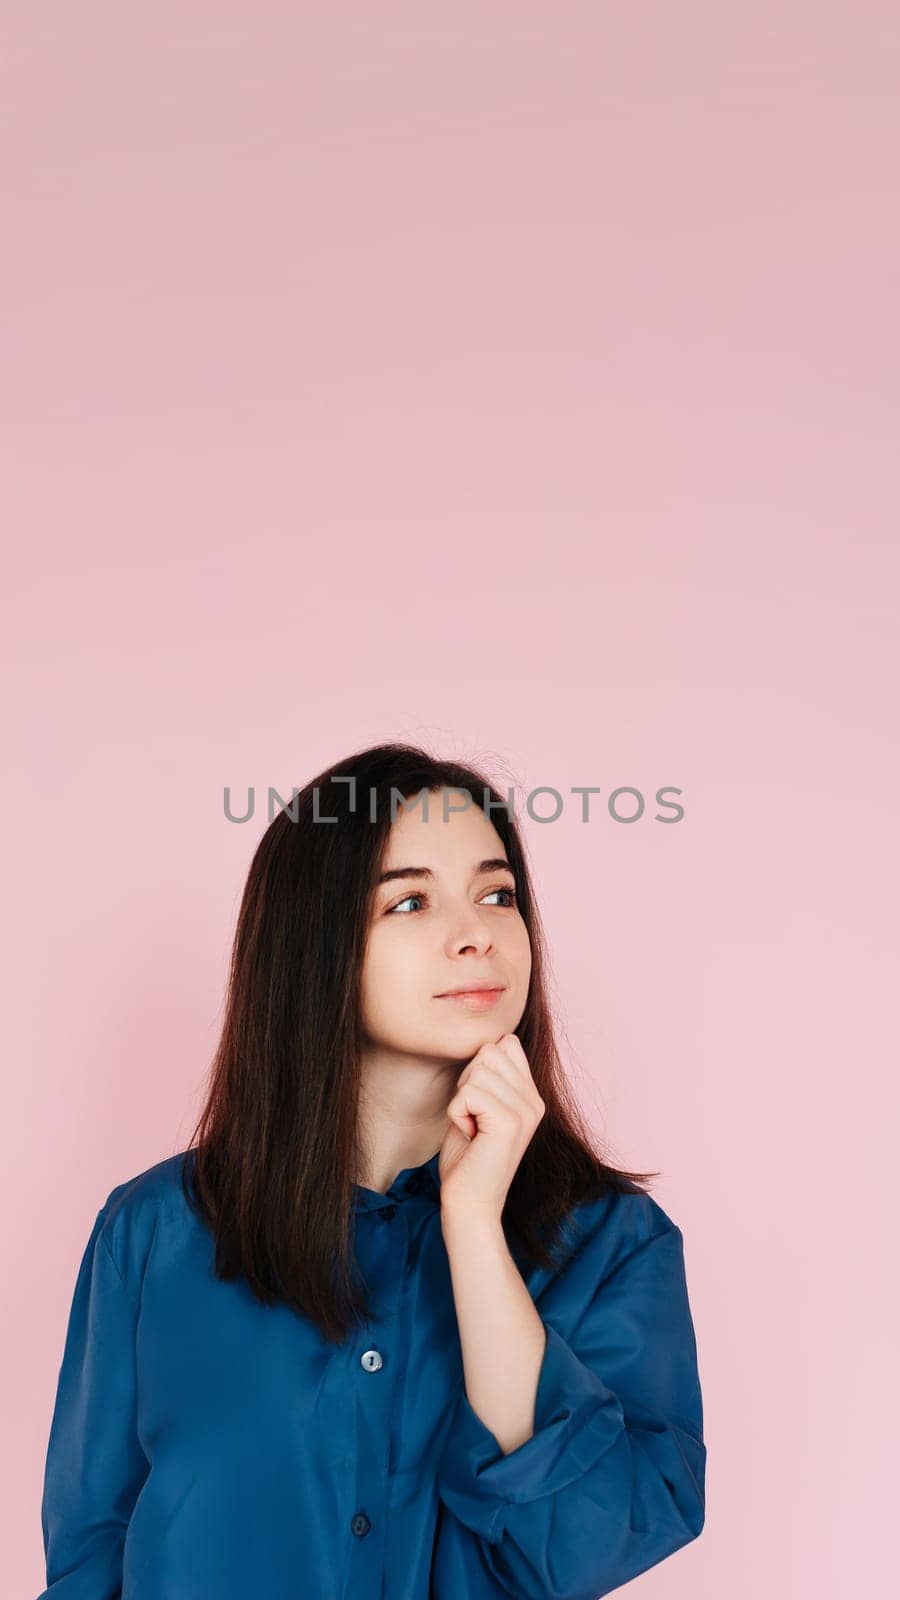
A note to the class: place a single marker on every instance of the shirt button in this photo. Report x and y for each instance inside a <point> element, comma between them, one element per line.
<point>387,1212</point>
<point>371,1360</point>
<point>360,1524</point>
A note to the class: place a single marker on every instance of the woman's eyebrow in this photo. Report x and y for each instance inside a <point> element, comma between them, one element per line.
<point>493,864</point>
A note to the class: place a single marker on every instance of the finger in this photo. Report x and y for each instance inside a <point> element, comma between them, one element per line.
<point>511,1044</point>
<point>514,1066</point>
<point>496,1098</point>
<point>498,1082</point>
<point>491,1055</point>
<point>513,1071</point>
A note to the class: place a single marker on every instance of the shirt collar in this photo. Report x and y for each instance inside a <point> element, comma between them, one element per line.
<point>422,1182</point>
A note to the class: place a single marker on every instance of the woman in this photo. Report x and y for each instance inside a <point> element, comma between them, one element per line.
<point>389,1326</point>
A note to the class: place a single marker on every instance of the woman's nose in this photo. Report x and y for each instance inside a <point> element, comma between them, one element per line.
<point>472,932</point>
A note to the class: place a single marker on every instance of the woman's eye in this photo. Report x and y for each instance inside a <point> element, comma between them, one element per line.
<point>424,899</point>
<point>510,892</point>
<point>405,902</point>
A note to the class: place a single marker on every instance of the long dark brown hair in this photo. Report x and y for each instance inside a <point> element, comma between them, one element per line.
<point>277,1141</point>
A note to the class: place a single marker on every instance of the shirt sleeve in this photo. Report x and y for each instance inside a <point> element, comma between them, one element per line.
<point>95,1464</point>
<point>612,1479</point>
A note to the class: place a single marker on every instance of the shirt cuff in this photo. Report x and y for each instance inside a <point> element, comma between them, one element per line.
<point>576,1420</point>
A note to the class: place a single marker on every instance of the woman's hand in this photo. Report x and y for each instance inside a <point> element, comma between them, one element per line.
<point>494,1113</point>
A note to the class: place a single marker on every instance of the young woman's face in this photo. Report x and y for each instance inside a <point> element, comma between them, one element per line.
<point>456,925</point>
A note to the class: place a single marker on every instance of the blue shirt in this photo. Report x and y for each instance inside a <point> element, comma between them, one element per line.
<point>204,1446</point>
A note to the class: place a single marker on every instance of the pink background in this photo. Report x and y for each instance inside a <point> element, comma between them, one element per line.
<point>521,379</point>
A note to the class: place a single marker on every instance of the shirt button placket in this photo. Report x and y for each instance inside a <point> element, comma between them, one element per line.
<point>389,1269</point>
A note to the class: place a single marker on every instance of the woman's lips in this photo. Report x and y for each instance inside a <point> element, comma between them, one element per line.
<point>475,999</point>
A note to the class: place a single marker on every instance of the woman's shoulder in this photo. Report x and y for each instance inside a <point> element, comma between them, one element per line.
<point>130,1215</point>
<point>156,1185</point>
<point>611,1228</point>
